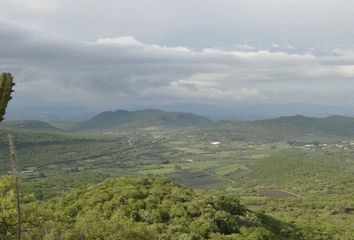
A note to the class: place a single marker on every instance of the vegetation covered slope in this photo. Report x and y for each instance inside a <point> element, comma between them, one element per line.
<point>141,118</point>
<point>298,127</point>
<point>139,208</point>
<point>34,125</point>
<point>294,128</point>
<point>333,125</point>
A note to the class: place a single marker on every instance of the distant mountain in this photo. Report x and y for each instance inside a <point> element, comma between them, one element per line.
<point>50,113</point>
<point>142,118</point>
<point>297,127</point>
<point>288,128</point>
<point>248,112</point>
<point>28,125</point>
<point>239,111</point>
<point>333,125</point>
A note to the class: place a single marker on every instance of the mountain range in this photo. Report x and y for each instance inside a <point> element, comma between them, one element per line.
<point>287,127</point>
<point>216,111</point>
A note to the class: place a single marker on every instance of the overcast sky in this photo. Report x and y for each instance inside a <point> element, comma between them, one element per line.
<point>112,53</point>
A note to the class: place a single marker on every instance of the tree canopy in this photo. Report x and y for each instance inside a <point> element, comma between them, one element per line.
<point>138,208</point>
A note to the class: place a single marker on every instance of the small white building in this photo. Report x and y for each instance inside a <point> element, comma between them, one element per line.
<point>189,161</point>
<point>309,145</point>
<point>215,143</point>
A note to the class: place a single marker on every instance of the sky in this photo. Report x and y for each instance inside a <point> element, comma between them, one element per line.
<point>115,53</point>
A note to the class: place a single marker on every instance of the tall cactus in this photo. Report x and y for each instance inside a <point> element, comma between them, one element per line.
<point>6,84</point>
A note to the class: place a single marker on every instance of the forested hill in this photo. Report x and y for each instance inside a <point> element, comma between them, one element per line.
<point>289,128</point>
<point>336,125</point>
<point>141,118</point>
<point>139,208</point>
<point>277,129</point>
<point>34,125</point>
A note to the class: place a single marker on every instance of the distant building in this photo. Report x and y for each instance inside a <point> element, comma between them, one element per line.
<point>309,145</point>
<point>189,161</point>
<point>215,143</point>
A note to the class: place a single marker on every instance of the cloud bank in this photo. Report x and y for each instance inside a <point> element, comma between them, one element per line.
<point>123,70</point>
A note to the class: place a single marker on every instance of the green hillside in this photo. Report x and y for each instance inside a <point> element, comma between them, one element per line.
<point>142,118</point>
<point>139,208</point>
<point>298,127</point>
<point>334,125</point>
<point>34,125</point>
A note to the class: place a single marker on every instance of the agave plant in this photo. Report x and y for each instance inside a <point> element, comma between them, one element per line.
<point>6,85</point>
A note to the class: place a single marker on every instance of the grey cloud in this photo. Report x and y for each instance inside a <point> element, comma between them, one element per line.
<point>49,69</point>
<point>194,23</point>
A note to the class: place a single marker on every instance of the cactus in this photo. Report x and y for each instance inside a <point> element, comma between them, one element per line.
<point>6,84</point>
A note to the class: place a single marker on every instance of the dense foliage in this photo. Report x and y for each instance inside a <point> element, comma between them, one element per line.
<point>138,208</point>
